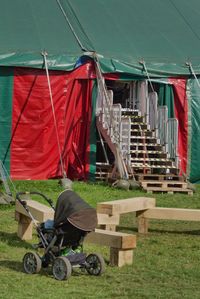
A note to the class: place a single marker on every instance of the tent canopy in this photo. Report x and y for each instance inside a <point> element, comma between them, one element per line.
<point>165,34</point>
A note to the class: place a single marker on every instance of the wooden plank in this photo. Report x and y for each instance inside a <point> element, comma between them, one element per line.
<point>112,239</point>
<point>122,206</point>
<point>39,211</point>
<point>172,214</point>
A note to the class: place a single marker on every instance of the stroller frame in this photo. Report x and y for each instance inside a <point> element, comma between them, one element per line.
<point>62,265</point>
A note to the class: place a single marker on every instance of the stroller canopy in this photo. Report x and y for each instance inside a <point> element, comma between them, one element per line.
<point>71,207</point>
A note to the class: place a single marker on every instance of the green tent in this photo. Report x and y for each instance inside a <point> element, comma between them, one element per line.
<point>165,34</point>
<point>153,39</point>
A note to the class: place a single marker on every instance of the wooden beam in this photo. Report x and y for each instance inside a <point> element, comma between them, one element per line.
<point>39,211</point>
<point>172,214</point>
<point>112,239</point>
<point>121,245</point>
<point>123,206</point>
<point>25,227</point>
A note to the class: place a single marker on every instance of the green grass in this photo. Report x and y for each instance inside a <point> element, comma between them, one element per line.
<point>166,261</point>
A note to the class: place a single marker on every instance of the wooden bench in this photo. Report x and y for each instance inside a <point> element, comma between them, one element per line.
<point>165,214</point>
<point>121,245</point>
<point>40,213</point>
<point>122,206</point>
<point>117,207</point>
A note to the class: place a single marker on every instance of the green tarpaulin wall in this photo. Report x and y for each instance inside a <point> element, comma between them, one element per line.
<point>193,94</point>
<point>163,33</point>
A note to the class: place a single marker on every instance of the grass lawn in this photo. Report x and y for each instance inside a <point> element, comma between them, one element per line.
<point>166,261</point>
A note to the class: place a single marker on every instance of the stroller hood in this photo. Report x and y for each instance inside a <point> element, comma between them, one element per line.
<point>71,207</point>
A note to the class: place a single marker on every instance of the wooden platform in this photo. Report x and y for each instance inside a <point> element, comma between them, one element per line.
<point>170,190</point>
<point>164,184</point>
<point>158,177</point>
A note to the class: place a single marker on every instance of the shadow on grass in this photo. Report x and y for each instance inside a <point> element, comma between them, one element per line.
<point>13,240</point>
<point>181,232</point>
<point>12,265</point>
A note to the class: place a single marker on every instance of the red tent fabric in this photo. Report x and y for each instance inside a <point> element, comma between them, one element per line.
<point>34,148</point>
<point>181,113</point>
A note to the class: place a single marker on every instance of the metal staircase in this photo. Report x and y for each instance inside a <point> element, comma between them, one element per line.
<point>143,146</point>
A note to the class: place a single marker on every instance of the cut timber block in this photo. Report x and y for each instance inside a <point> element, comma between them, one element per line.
<point>120,257</point>
<point>108,222</point>
<point>121,245</point>
<point>121,206</point>
<point>25,227</point>
<point>40,213</point>
<point>173,214</point>
<point>142,222</point>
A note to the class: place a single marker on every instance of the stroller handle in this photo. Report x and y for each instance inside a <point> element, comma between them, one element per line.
<point>19,194</point>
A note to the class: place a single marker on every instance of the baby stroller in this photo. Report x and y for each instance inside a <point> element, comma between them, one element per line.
<point>61,240</point>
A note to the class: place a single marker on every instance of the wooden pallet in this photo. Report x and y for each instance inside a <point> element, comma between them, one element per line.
<point>158,177</point>
<point>164,184</point>
<point>168,190</point>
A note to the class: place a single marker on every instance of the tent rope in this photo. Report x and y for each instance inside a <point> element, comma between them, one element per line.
<point>71,27</point>
<point>44,54</point>
<point>149,79</point>
<point>189,64</point>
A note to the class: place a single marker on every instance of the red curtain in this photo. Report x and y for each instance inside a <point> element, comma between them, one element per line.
<point>34,148</point>
<point>181,113</point>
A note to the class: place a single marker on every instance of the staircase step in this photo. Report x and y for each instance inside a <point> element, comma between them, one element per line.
<point>153,161</point>
<point>139,126</point>
<point>148,153</point>
<point>130,112</point>
<point>143,133</point>
<point>146,165</point>
<point>135,118</point>
<point>147,146</point>
<point>146,139</point>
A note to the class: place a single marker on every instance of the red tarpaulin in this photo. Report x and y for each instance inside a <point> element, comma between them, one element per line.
<point>181,113</point>
<point>34,148</point>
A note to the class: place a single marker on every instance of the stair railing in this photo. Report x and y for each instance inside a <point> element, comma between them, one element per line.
<point>173,140</point>
<point>163,126</point>
<point>125,143</point>
<point>109,116</point>
<point>153,112</point>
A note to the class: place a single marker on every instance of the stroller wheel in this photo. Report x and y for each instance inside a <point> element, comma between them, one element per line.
<point>32,263</point>
<point>95,264</point>
<point>62,268</point>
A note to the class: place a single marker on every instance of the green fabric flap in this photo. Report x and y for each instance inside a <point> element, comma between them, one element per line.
<point>6,89</point>
<point>193,94</point>
<point>166,98</point>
